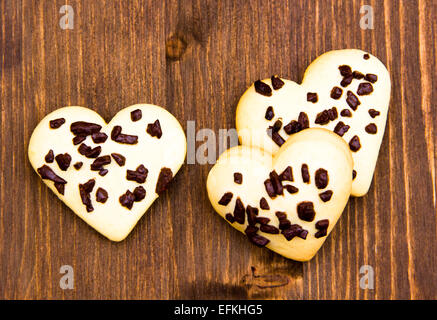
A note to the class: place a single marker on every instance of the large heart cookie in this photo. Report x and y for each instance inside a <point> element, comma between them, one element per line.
<point>108,174</point>
<point>288,202</point>
<point>346,91</point>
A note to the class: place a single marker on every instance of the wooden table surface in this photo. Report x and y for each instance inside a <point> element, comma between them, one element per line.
<point>196,58</point>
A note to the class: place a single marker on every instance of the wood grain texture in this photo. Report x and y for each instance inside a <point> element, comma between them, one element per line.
<point>116,56</point>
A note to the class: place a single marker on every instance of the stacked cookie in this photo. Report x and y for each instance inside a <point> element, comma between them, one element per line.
<point>304,150</point>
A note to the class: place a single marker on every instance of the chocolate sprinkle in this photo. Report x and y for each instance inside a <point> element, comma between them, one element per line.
<point>341,128</point>
<point>139,193</point>
<point>82,128</point>
<point>346,81</point>
<point>262,220</point>
<point>371,128</point>
<point>270,189</point>
<point>258,240</point>
<point>345,70</point>
<point>88,151</point>
<point>327,115</point>
<point>119,137</point>
<point>121,160</point>
<point>78,165</point>
<point>251,212</point>
<point>84,191</point>
<point>354,144</point>
<point>269,113</point>
<point>100,162</point>
<point>305,173</point>
<point>63,161</point>
<point>127,200</point>
<point>99,137</point>
<point>303,120</point>
<point>238,178</point>
<point>101,195</point>
<point>277,126</point>
<point>239,211</point>
<point>139,175</point>
<point>47,173</point>
<point>276,137</point>
<point>55,124</point>
<point>321,233</point>
<point>291,189</point>
<point>284,223</point>
<point>366,56</point>
<point>263,88</point>
<point>287,174</point>
<point>373,113</point>
<point>165,177</point>
<point>322,178</point>
<point>276,182</point>
<point>263,204</point>
<point>354,174</point>
<point>352,100</point>
<point>225,199</point>
<point>312,97</point>
<point>277,83</point>
<point>364,89</point>
<point>50,156</point>
<point>78,139</point>
<point>326,196</point>
<point>230,217</point>
<point>371,77</point>
<point>136,115</point>
<point>103,172</point>
<point>269,229</point>
<point>357,75</point>
<point>292,127</point>
<point>322,224</point>
<point>336,93</point>
<point>154,129</point>
<point>305,211</point>
<point>294,230</point>
<point>346,113</point>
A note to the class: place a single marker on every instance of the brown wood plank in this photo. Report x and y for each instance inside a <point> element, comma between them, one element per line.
<point>123,52</point>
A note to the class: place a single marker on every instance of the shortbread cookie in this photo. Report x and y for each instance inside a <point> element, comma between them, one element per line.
<point>108,174</point>
<point>288,202</point>
<point>346,91</point>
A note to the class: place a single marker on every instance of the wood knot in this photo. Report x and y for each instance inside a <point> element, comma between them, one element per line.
<point>175,47</point>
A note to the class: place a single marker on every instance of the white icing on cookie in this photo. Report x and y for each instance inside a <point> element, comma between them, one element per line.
<point>321,151</point>
<point>154,153</point>
<point>321,77</point>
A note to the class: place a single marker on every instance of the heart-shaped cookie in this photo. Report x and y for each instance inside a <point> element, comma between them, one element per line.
<point>288,202</point>
<point>346,91</point>
<point>108,174</point>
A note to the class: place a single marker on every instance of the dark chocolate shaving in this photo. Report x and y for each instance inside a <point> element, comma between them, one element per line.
<point>327,115</point>
<point>373,113</point>
<point>322,224</point>
<point>305,211</point>
<point>345,70</point>
<point>50,156</point>
<point>352,100</point>
<point>346,81</point>
<point>103,172</point>
<point>371,128</point>
<point>277,83</point>
<point>287,174</point>
<point>225,199</point>
<point>84,191</point>
<point>47,173</point>
<point>263,88</point>
<point>88,151</point>
<point>139,175</point>
<point>341,128</point>
<point>251,212</point>
<point>321,233</point>
<point>294,230</point>
<point>55,124</point>
<point>336,93</point>
<point>82,128</point>
<point>119,159</point>
<point>321,178</point>
<point>346,113</point>
<point>357,75</point>
<point>154,129</point>
<point>326,196</point>
<point>136,115</point>
<point>262,220</point>
<point>292,127</point>
<point>78,165</point>
<point>312,97</point>
<point>269,188</point>
<point>139,193</point>
<point>354,174</point>
<point>263,204</point>
<point>230,217</point>
<point>371,77</point>
<point>101,195</point>
<point>276,182</point>
<point>284,223</point>
<point>238,178</point>
<point>127,200</point>
<point>364,89</point>
<point>291,189</point>
<point>305,173</point>
<point>78,139</point>
<point>269,113</point>
<point>354,144</point>
<point>366,56</point>
<point>276,137</point>
<point>99,137</point>
<point>63,161</point>
<point>303,120</point>
<point>239,211</point>
<point>269,229</point>
<point>100,162</point>
<point>164,179</point>
<point>119,137</point>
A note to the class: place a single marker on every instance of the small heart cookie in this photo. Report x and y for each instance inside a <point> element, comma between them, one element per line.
<point>345,91</point>
<point>288,202</point>
<point>108,174</point>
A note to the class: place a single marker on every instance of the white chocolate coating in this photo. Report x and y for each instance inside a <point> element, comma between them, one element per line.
<point>320,77</point>
<point>318,148</point>
<point>110,219</point>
